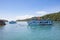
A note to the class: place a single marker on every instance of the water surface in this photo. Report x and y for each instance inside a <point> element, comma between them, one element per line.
<point>22,31</point>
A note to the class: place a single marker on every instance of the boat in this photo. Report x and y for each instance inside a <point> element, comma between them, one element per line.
<point>12,22</point>
<point>2,23</point>
<point>40,22</point>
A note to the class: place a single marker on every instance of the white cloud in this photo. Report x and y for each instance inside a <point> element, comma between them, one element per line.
<point>23,17</point>
<point>17,17</point>
<point>41,13</point>
<point>7,18</point>
<point>20,17</point>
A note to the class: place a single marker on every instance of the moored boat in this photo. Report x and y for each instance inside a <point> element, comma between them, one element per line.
<point>40,22</point>
<point>12,22</point>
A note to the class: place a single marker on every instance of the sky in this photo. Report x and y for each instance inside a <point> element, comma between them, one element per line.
<point>21,9</point>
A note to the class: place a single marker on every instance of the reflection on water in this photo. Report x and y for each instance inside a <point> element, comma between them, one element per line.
<point>1,32</point>
<point>39,28</point>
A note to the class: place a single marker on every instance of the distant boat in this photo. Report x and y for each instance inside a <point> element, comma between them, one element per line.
<point>12,22</point>
<point>2,23</point>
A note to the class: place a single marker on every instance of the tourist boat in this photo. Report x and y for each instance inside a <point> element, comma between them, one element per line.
<point>12,22</point>
<point>2,23</point>
<point>40,22</point>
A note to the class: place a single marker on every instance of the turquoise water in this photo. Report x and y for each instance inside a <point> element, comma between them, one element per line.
<point>22,31</point>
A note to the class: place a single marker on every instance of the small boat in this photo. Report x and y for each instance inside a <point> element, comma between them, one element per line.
<point>2,23</point>
<point>12,22</point>
<point>40,22</point>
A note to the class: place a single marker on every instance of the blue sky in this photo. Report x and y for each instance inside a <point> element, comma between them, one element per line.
<point>20,9</point>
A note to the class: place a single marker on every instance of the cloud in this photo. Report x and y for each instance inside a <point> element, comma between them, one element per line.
<point>23,17</point>
<point>41,13</point>
<point>20,17</point>
<point>7,18</point>
<point>17,17</point>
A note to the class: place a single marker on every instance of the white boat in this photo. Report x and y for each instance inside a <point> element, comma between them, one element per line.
<point>40,22</point>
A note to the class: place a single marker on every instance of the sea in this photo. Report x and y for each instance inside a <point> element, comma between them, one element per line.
<point>23,31</point>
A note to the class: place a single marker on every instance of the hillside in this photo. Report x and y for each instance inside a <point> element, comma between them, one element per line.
<point>52,16</point>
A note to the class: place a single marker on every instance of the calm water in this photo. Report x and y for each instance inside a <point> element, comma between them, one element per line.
<point>21,31</point>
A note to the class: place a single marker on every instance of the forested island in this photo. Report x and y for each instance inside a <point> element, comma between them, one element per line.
<point>52,16</point>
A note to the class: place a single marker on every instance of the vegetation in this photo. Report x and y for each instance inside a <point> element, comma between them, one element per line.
<point>53,16</point>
